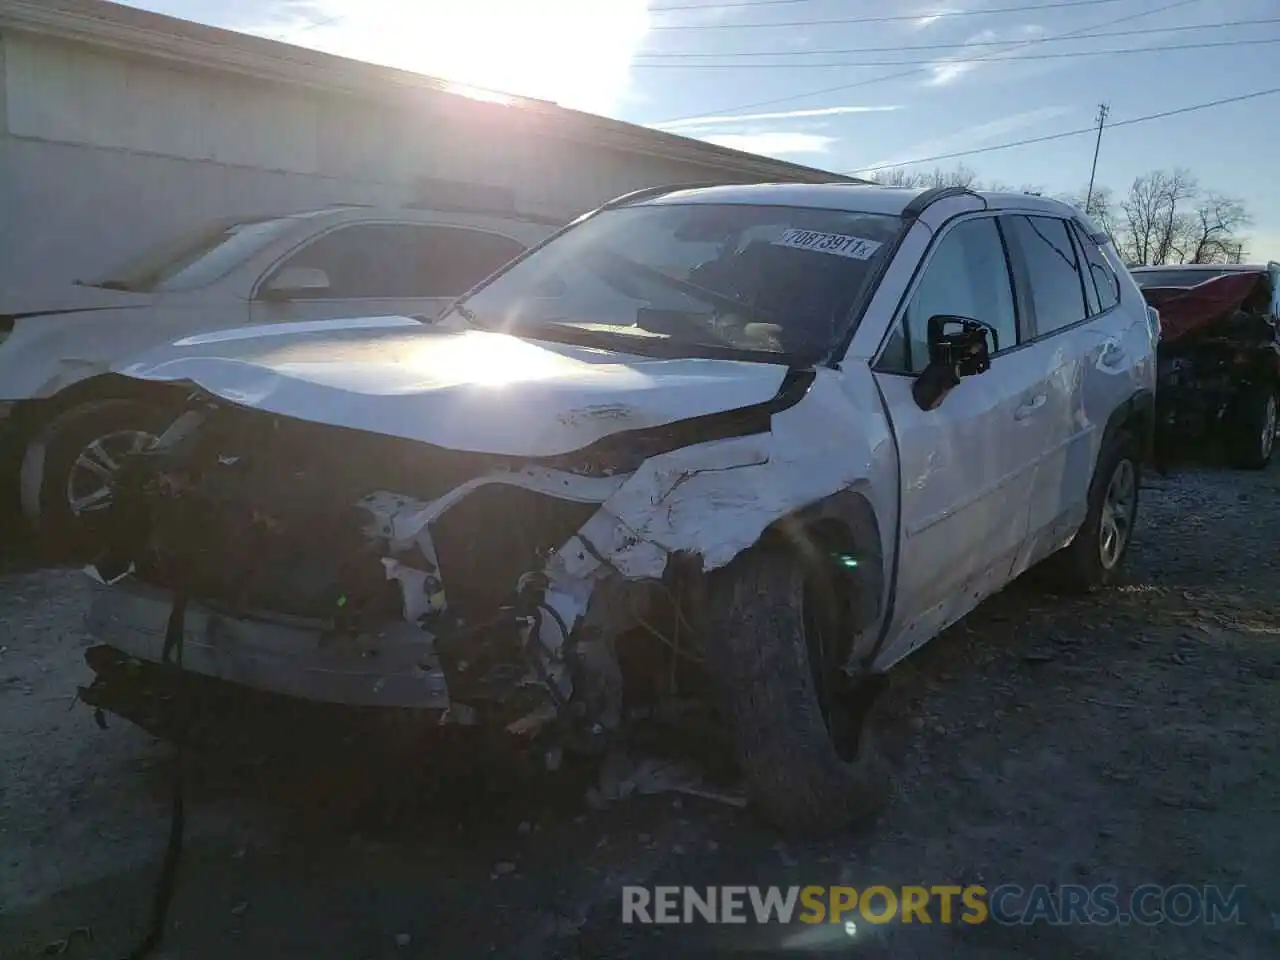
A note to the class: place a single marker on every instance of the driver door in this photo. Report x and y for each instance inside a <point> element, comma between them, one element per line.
<point>966,466</point>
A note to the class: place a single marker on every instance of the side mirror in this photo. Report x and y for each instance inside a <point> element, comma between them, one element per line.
<point>958,347</point>
<point>293,282</point>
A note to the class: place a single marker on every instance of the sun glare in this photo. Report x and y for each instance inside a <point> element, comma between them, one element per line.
<point>574,52</point>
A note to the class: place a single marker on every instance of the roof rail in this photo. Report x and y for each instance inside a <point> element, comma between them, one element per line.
<point>648,193</point>
<point>932,195</point>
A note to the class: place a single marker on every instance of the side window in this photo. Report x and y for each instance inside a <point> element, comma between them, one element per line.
<point>1053,271</point>
<point>449,261</point>
<point>967,275</point>
<point>1103,278</point>
<point>403,260</point>
<point>361,261</point>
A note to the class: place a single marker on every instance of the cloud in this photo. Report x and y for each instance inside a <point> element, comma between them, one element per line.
<point>950,69</point>
<point>773,143</point>
<point>933,16</point>
<point>1262,245</point>
<point>577,53</point>
<point>708,121</point>
<point>971,137</point>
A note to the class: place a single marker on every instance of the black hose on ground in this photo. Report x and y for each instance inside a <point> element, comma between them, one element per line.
<point>171,656</point>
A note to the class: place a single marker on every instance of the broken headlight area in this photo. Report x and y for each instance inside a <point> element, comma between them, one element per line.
<point>365,540</point>
<point>254,513</point>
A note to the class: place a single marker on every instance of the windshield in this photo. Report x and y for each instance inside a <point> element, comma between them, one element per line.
<point>197,259</point>
<point>686,278</point>
<point>1176,278</point>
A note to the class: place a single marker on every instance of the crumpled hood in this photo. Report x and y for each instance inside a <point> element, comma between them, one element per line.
<point>472,390</point>
<point>1184,310</point>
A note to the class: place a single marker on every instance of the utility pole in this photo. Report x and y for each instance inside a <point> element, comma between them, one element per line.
<point>1103,110</point>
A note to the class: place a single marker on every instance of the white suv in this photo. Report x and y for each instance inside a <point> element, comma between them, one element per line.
<point>769,439</point>
<point>71,421</point>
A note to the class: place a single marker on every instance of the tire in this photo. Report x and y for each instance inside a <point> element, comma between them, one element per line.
<point>1092,560</point>
<point>63,461</point>
<point>1252,436</point>
<point>758,660</point>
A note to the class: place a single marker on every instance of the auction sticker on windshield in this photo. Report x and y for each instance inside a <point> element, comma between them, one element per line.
<point>840,244</point>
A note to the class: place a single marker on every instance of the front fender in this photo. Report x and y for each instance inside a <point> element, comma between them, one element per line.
<point>719,498</point>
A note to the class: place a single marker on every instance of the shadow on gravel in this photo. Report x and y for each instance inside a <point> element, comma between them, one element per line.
<point>1125,738</point>
<point>16,555</point>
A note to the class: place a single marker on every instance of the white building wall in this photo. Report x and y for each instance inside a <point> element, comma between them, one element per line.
<point>103,155</point>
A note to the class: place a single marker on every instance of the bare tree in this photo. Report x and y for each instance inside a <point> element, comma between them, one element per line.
<point>1101,208</point>
<point>1212,231</point>
<point>961,176</point>
<point>1164,217</point>
<point>1156,214</point>
<point>895,177</point>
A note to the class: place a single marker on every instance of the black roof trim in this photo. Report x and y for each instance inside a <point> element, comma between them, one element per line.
<point>922,202</point>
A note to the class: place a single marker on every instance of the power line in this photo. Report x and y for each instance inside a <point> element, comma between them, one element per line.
<point>1064,55</point>
<point>1073,133</point>
<point>792,98</point>
<point>336,18</point>
<point>728,6</point>
<point>896,18</point>
<point>948,46</point>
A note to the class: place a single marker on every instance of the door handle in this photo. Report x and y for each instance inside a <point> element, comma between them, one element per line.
<point>1030,407</point>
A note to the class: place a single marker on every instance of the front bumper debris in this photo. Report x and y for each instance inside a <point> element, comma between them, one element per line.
<point>552,596</point>
<point>395,668</point>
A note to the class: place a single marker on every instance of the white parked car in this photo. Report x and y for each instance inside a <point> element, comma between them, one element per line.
<point>70,420</point>
<point>766,440</point>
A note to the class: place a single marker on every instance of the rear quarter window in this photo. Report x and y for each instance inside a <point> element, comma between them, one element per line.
<point>1102,278</point>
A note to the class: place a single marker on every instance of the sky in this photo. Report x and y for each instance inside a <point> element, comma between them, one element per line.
<point>901,86</point>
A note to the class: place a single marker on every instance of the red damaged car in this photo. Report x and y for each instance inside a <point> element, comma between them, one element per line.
<point>1219,357</point>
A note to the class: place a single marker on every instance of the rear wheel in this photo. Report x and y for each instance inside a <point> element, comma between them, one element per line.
<point>1252,436</point>
<point>69,467</point>
<point>801,734</point>
<point>1095,556</point>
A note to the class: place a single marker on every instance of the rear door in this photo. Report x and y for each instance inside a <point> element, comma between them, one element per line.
<point>1047,262</point>
<point>387,268</point>
<point>1119,337</point>
<point>1097,333</point>
<point>965,465</point>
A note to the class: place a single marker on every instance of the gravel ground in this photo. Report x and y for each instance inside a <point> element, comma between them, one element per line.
<point>1127,738</point>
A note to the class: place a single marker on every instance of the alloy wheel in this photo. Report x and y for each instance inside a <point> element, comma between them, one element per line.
<point>91,475</point>
<point>1118,509</point>
<point>1268,437</point>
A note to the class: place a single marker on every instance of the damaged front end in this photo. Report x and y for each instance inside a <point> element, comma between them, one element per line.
<point>346,567</point>
<point>1218,359</point>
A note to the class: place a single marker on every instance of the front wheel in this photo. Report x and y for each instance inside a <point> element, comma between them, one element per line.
<point>774,652</point>
<point>1252,436</point>
<point>69,467</point>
